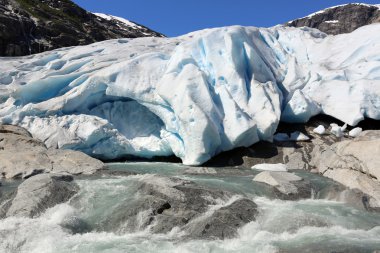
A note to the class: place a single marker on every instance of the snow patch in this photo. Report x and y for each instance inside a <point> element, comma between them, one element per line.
<point>123,20</point>
<point>332,21</point>
<point>341,5</point>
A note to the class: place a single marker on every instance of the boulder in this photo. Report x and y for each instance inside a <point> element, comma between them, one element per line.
<point>355,164</point>
<point>15,130</point>
<point>37,194</point>
<point>287,186</point>
<point>224,222</point>
<point>73,162</point>
<point>22,156</point>
<point>163,203</point>
<point>352,197</point>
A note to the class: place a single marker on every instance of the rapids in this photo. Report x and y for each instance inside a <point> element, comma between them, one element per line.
<point>325,223</point>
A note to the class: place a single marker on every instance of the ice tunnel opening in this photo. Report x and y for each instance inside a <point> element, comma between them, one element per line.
<point>139,130</point>
<point>129,117</point>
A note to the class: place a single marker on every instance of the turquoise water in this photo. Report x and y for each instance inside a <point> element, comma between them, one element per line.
<point>313,225</point>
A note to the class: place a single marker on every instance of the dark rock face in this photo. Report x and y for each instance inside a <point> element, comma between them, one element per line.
<point>162,204</point>
<point>340,19</point>
<point>34,26</point>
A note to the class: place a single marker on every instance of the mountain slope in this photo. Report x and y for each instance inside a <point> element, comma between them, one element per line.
<point>33,26</point>
<point>340,19</point>
<point>193,96</point>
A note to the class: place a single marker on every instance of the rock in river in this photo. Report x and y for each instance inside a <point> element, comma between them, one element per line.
<point>287,185</point>
<point>355,164</point>
<point>37,194</point>
<point>164,203</point>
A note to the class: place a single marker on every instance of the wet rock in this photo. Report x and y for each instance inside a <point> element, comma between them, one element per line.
<point>39,193</point>
<point>355,164</point>
<point>352,197</point>
<point>288,186</point>
<point>162,204</point>
<point>224,222</point>
<point>21,156</point>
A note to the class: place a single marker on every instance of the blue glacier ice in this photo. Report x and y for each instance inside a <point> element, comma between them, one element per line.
<point>193,96</point>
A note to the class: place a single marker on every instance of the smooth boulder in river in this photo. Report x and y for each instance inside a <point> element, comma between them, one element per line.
<point>37,194</point>
<point>355,164</point>
<point>164,203</point>
<point>287,186</point>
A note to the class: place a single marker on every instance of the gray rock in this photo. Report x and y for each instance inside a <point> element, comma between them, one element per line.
<point>355,164</point>
<point>39,193</point>
<point>163,203</point>
<point>353,197</point>
<point>288,186</point>
<point>224,222</point>
<point>21,156</point>
<point>73,162</point>
<point>15,130</point>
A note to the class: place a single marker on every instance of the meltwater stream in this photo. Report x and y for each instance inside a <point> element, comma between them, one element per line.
<point>313,225</point>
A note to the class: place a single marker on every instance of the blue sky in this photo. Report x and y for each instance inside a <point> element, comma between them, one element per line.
<point>177,17</point>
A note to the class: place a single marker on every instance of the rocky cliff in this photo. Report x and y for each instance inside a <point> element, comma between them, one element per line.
<point>340,19</point>
<point>33,26</point>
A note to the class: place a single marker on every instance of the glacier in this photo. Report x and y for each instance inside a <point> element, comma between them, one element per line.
<point>192,96</point>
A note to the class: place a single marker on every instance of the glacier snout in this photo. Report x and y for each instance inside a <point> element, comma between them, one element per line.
<point>193,96</point>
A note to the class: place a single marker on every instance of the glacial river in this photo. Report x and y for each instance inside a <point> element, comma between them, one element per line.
<point>324,223</point>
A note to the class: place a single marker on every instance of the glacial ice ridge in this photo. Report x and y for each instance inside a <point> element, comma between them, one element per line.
<point>193,96</point>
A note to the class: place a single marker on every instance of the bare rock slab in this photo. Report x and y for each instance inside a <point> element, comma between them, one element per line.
<point>22,156</point>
